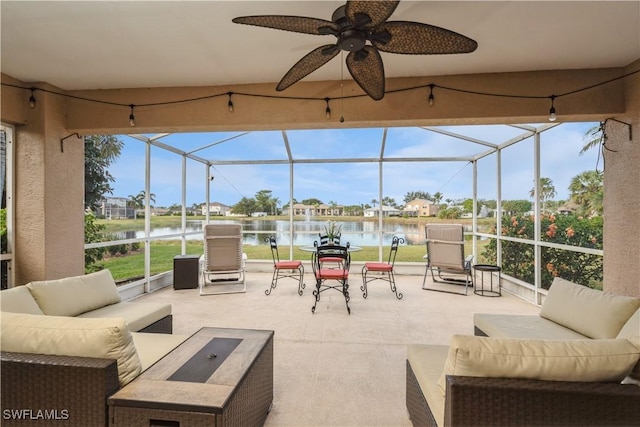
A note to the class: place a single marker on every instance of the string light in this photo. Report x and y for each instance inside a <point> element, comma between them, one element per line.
<point>32,99</point>
<point>327,111</point>
<point>552,110</point>
<point>132,119</point>
<point>432,99</point>
<point>230,103</point>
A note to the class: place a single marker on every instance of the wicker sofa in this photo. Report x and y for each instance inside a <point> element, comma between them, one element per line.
<point>92,295</point>
<point>67,348</point>
<point>579,376</point>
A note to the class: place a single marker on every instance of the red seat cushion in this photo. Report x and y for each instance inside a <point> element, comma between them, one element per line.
<point>378,266</point>
<point>286,265</point>
<point>329,273</point>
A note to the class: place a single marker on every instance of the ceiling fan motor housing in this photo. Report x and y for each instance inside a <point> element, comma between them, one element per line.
<point>352,40</point>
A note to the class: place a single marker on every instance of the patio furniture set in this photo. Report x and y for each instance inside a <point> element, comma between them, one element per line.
<point>331,263</point>
<point>576,363</point>
<point>74,354</point>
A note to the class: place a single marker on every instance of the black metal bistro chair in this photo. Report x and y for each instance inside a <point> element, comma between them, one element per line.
<point>384,270</point>
<point>325,240</point>
<point>284,269</point>
<point>323,274</point>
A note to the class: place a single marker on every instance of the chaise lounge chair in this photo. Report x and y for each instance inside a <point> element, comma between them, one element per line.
<point>222,265</point>
<point>445,254</point>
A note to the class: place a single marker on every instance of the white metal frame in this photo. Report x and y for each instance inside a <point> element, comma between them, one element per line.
<point>492,148</point>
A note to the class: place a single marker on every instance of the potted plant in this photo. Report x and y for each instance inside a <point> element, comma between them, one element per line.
<point>332,231</point>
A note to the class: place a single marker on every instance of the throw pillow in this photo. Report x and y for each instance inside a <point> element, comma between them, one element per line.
<point>104,338</point>
<point>575,360</point>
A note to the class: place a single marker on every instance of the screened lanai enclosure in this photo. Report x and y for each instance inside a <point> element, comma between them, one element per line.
<point>529,195</point>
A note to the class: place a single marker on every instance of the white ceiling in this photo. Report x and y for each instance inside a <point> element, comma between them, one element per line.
<point>124,44</point>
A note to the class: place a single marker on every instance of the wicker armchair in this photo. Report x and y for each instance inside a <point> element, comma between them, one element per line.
<point>480,401</point>
<point>68,391</point>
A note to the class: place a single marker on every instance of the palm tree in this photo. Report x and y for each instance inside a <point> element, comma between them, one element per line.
<point>594,137</point>
<point>373,202</point>
<point>437,198</point>
<point>138,200</point>
<point>587,191</point>
<point>547,192</point>
<point>275,202</point>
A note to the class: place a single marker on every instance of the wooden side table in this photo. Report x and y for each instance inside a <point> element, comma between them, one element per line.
<point>479,286</point>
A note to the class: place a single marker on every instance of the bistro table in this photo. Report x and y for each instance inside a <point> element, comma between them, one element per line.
<point>314,248</point>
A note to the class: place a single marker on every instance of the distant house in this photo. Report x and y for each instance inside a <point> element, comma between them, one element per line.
<point>421,207</point>
<point>386,211</point>
<point>311,210</point>
<point>116,208</point>
<point>215,208</point>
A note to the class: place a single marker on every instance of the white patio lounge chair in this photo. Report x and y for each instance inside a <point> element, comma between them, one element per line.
<point>445,254</point>
<point>223,262</point>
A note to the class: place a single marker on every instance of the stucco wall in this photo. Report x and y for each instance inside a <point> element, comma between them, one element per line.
<point>49,196</point>
<point>622,196</point>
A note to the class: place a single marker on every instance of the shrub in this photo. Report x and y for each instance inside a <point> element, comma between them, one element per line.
<point>91,235</point>
<point>518,258</point>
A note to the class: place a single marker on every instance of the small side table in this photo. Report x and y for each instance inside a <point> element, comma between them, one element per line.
<point>479,287</point>
<point>185,272</point>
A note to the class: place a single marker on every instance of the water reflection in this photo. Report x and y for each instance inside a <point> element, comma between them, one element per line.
<point>360,233</point>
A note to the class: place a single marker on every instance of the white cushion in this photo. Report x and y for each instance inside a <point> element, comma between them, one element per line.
<point>153,347</point>
<point>590,312</point>
<point>71,336</point>
<point>632,327</point>
<point>75,295</point>
<point>523,326</point>
<point>575,360</point>
<point>427,362</point>
<point>138,315</point>
<point>19,300</point>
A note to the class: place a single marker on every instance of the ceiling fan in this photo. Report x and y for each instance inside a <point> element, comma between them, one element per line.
<point>354,24</point>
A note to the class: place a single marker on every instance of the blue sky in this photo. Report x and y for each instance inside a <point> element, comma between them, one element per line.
<point>353,183</point>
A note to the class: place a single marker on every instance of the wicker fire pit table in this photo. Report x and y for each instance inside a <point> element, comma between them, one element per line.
<point>217,377</point>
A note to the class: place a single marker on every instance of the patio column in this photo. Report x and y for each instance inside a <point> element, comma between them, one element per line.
<point>49,194</point>
<point>622,196</point>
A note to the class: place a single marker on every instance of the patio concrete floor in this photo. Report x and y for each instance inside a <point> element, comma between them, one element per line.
<point>332,368</point>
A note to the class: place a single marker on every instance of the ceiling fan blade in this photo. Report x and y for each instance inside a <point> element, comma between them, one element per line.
<point>414,38</point>
<point>308,64</point>
<point>365,66</point>
<point>377,11</point>
<point>297,24</point>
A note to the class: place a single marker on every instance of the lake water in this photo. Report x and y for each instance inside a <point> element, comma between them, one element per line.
<point>359,233</point>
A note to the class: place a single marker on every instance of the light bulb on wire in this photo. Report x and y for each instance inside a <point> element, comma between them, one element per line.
<point>552,110</point>
<point>230,103</point>
<point>132,119</point>
<point>432,99</point>
<point>327,111</point>
<point>32,99</point>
